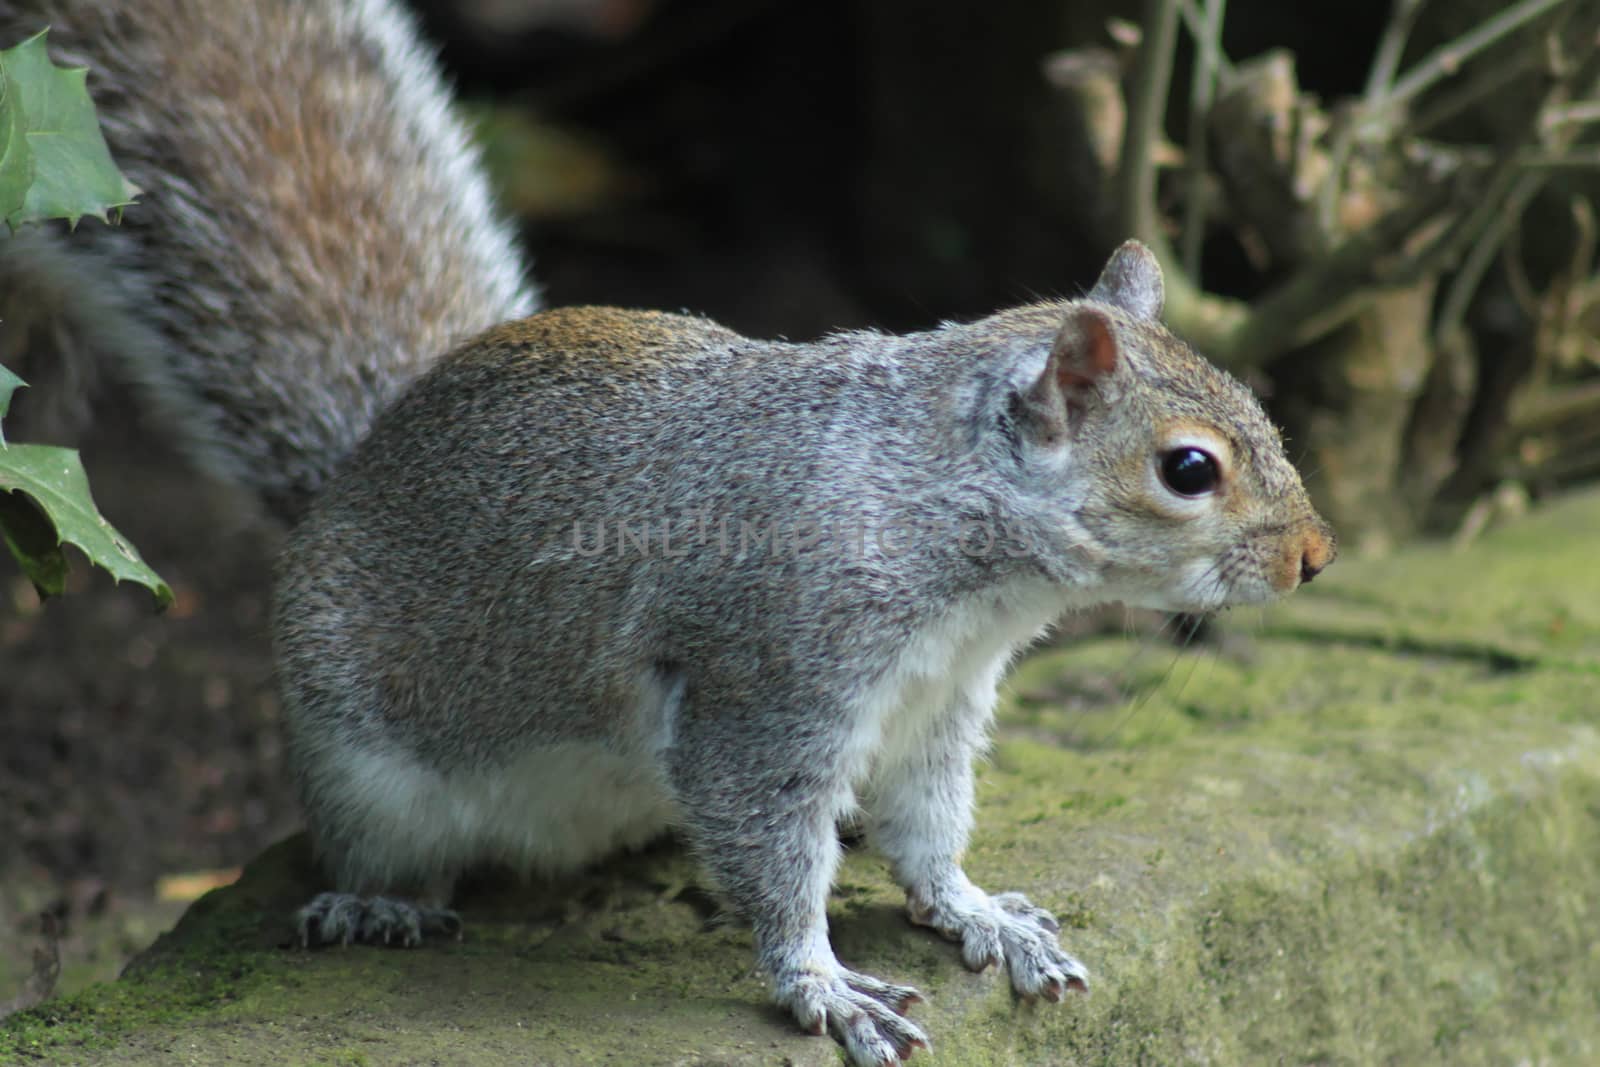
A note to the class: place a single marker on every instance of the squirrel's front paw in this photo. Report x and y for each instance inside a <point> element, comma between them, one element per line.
<point>862,1013</point>
<point>346,917</point>
<point>1005,929</point>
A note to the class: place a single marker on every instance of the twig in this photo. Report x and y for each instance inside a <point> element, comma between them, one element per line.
<point>1570,159</point>
<point>1471,91</point>
<point>1496,215</point>
<point>1344,139</point>
<point>1448,58</point>
<point>1391,47</point>
<point>1380,79</point>
<point>1537,412</point>
<point>1524,189</point>
<point>1195,22</point>
<point>1467,230</point>
<point>1464,284</point>
<point>1448,247</point>
<point>1587,111</point>
<point>1517,280</point>
<point>1146,110</point>
<point>1202,92</point>
<point>1384,106</point>
<point>1326,293</point>
<point>1581,264</point>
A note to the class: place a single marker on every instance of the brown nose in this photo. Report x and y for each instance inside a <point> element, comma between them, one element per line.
<point>1316,553</point>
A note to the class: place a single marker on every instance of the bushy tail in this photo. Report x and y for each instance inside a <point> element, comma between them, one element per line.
<point>313,228</point>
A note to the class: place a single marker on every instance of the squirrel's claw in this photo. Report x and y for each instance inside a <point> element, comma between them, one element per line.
<point>1009,930</point>
<point>862,1013</point>
<point>344,918</point>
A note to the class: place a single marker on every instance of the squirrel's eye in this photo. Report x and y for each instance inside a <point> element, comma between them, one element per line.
<point>1189,471</point>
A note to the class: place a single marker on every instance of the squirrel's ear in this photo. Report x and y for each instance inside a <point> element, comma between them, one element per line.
<point>1083,355</point>
<point>1132,281</point>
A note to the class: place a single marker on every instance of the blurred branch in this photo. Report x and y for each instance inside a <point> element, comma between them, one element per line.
<point>1391,47</point>
<point>1545,159</point>
<point>1464,283</point>
<point>1208,56</point>
<point>1380,82</point>
<point>1559,138</point>
<point>1384,108</point>
<point>1447,247</point>
<point>1146,111</point>
<point>1196,22</point>
<point>1448,58</point>
<point>1472,91</point>
<point>1547,409</point>
<point>1196,315</point>
<point>1428,225</point>
<point>1325,293</point>
<point>1585,111</point>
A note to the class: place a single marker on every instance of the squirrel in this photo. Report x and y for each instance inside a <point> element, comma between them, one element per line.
<point>557,584</point>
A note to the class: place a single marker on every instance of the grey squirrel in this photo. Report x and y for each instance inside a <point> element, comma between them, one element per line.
<point>596,573</point>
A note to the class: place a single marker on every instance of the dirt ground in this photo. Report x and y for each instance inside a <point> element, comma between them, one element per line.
<point>139,753</point>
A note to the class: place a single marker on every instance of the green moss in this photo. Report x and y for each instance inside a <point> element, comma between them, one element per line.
<point>215,963</point>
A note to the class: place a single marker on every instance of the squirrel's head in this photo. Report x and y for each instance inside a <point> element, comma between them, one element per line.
<point>1148,474</point>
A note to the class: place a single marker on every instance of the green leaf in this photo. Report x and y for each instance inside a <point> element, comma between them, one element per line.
<point>32,540</point>
<point>16,158</point>
<point>57,491</point>
<point>73,174</point>
<point>9,383</point>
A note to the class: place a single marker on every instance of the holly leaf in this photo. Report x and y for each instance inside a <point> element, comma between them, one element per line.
<point>72,174</point>
<point>16,158</point>
<point>52,482</point>
<point>9,383</point>
<point>54,164</point>
<point>32,541</point>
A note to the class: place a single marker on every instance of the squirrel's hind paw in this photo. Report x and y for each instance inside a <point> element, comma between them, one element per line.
<point>859,1011</point>
<point>1007,929</point>
<point>345,917</point>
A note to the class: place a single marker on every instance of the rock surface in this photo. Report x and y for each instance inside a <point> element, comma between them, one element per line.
<point>1364,828</point>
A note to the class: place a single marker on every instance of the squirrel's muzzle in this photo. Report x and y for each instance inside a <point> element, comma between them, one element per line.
<point>1317,549</point>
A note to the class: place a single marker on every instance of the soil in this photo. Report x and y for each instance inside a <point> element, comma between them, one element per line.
<point>136,749</point>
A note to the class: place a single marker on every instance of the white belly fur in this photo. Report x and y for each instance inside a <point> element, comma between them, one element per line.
<point>549,811</point>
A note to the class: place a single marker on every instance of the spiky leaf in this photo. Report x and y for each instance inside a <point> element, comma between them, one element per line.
<point>45,502</point>
<point>16,158</point>
<point>54,482</point>
<point>9,383</point>
<point>71,172</point>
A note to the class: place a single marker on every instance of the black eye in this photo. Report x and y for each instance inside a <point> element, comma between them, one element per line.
<point>1189,471</point>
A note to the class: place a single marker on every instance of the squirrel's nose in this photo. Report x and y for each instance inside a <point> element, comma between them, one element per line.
<point>1316,553</point>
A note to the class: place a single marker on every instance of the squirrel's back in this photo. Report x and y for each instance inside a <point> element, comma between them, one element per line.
<point>313,228</point>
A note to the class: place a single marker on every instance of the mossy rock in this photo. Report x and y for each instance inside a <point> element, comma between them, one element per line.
<point>1366,830</point>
